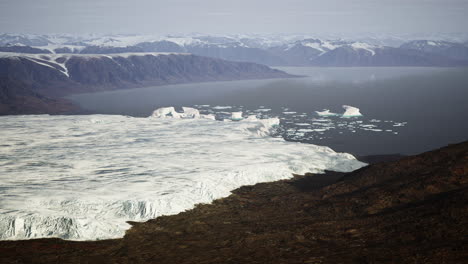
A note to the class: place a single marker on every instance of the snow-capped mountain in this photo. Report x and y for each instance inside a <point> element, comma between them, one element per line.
<point>304,52</point>
<point>457,51</point>
<point>273,50</point>
<point>24,39</point>
<point>349,56</point>
<point>23,49</point>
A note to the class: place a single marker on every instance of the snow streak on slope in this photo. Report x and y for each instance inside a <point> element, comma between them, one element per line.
<point>82,177</point>
<point>60,60</point>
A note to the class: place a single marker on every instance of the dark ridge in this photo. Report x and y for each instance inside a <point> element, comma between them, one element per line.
<point>42,76</point>
<point>24,49</point>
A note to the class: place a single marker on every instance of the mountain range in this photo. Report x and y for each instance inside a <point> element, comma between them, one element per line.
<point>272,51</point>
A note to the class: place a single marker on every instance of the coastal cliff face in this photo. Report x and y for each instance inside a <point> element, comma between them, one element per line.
<point>45,77</point>
<point>408,211</point>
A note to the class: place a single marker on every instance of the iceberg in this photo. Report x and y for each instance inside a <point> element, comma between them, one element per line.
<point>209,116</point>
<point>165,112</point>
<point>351,111</point>
<point>188,112</point>
<point>236,116</point>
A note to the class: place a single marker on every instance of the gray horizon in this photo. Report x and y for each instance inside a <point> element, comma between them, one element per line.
<point>234,17</point>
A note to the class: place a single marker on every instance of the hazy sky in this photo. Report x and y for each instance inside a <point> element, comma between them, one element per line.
<point>233,16</point>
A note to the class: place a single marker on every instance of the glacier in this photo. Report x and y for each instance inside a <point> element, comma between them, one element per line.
<point>82,177</point>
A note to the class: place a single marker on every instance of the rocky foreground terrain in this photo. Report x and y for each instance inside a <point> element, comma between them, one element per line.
<point>413,210</point>
<point>35,83</point>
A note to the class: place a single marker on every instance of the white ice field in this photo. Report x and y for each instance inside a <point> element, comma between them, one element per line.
<point>82,177</point>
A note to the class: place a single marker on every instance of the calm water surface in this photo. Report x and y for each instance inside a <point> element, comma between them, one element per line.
<point>405,110</point>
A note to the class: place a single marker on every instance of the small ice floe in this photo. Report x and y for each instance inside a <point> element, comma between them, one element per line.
<point>263,110</point>
<point>219,107</point>
<point>351,111</point>
<point>319,129</point>
<point>399,124</point>
<point>236,116</point>
<point>326,112</point>
<point>321,120</point>
<point>305,130</point>
<point>289,113</point>
<point>368,126</point>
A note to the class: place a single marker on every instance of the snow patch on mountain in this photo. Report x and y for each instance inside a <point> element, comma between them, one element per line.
<point>364,46</point>
<point>60,60</point>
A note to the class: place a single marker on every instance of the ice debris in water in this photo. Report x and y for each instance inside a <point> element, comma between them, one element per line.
<point>350,111</point>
